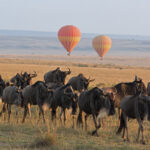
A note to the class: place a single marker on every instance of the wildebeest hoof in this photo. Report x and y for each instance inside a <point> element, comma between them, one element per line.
<point>94,133</point>
<point>126,140</point>
<point>137,140</point>
<point>118,133</point>
<point>142,142</point>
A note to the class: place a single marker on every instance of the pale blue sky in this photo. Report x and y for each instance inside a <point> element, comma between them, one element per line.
<point>91,16</point>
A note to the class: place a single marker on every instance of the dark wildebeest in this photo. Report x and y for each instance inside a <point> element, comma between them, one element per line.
<point>11,96</point>
<point>27,77</point>
<point>36,94</point>
<point>23,79</point>
<point>95,103</point>
<point>134,107</point>
<point>65,98</point>
<point>128,88</point>
<point>56,76</point>
<point>2,86</point>
<point>80,82</point>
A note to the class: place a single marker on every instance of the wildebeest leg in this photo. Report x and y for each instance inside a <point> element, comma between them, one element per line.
<point>123,132</point>
<point>95,122</point>
<point>137,139</point>
<point>41,110</point>
<point>29,109</point>
<point>140,128</point>
<point>25,113</point>
<point>79,120</point>
<point>3,110</point>
<point>73,118</point>
<point>119,113</point>
<point>17,113</point>
<point>64,111</point>
<point>122,124</point>
<point>103,122</point>
<point>54,114</point>
<point>9,111</point>
<point>125,123</point>
<point>86,115</point>
<point>99,123</point>
<point>61,112</point>
<point>39,117</point>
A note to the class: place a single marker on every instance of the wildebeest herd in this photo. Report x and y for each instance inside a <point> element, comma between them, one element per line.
<point>131,98</point>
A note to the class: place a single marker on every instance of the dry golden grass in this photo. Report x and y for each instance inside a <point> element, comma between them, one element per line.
<point>29,135</point>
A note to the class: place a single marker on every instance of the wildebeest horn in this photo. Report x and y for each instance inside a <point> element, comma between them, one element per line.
<point>90,80</point>
<point>69,71</point>
<point>135,78</point>
<point>34,75</point>
<point>71,88</point>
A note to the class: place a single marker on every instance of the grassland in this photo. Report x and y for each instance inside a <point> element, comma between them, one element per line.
<point>49,136</point>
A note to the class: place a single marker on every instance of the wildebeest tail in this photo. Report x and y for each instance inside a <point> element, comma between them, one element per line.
<point>79,119</point>
<point>122,124</point>
<point>22,99</point>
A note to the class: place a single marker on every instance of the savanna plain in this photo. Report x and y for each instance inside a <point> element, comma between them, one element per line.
<point>33,135</point>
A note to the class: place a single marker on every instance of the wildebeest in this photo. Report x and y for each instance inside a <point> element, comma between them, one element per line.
<point>95,103</point>
<point>11,96</point>
<point>128,88</point>
<point>22,79</point>
<point>56,76</point>
<point>27,77</point>
<point>2,86</point>
<point>134,107</point>
<point>65,98</point>
<point>80,82</point>
<point>36,94</point>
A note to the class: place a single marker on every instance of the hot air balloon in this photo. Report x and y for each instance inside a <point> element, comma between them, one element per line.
<point>69,36</point>
<point>101,44</point>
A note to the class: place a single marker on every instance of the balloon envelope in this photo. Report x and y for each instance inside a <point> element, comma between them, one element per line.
<point>101,44</point>
<point>69,36</point>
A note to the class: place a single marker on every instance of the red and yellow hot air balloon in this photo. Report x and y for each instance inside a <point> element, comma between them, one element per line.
<point>69,36</point>
<point>101,44</point>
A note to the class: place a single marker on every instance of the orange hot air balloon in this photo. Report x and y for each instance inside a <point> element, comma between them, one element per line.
<point>101,44</point>
<point>69,36</point>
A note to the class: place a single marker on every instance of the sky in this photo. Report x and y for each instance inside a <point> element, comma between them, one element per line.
<point>90,16</point>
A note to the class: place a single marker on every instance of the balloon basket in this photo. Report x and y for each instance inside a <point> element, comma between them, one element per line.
<point>68,54</point>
